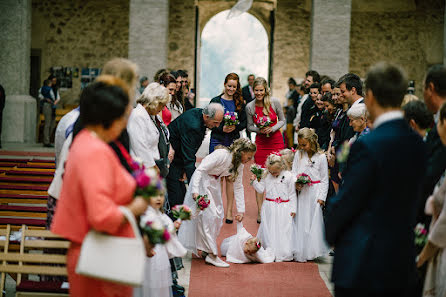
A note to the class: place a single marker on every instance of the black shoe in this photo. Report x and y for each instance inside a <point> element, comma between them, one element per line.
<point>228,221</point>
<point>258,221</point>
<point>48,145</point>
<point>177,290</point>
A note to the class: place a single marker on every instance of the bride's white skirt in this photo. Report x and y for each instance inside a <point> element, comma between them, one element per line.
<point>309,240</point>
<point>276,229</point>
<point>200,233</point>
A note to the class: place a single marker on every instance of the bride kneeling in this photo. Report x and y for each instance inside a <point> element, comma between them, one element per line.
<point>201,232</point>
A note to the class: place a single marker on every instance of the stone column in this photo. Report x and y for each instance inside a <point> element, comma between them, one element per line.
<point>148,33</point>
<point>330,37</point>
<point>19,115</point>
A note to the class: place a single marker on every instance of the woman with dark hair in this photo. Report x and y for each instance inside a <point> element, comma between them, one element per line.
<point>174,108</point>
<point>225,134</point>
<point>96,184</point>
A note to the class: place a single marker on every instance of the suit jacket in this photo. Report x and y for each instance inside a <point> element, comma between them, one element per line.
<point>308,110</point>
<point>247,94</point>
<point>371,219</point>
<point>218,133</point>
<point>186,135</point>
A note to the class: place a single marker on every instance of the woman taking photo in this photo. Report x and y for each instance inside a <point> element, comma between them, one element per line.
<point>225,134</point>
<point>96,184</point>
<point>265,109</point>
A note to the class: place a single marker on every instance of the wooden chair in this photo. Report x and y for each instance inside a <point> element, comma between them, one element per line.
<point>37,256</point>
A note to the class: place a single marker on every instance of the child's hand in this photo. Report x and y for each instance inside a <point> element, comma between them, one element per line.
<point>149,247</point>
<point>293,214</point>
<point>239,217</point>
<point>299,187</point>
<point>253,177</point>
<point>177,224</point>
<point>321,202</point>
<point>194,196</point>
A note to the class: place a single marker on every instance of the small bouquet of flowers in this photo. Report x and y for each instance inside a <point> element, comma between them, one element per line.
<point>202,202</point>
<point>343,152</point>
<point>154,229</point>
<point>148,181</point>
<point>420,235</point>
<point>263,122</point>
<point>181,212</point>
<point>257,170</point>
<point>304,179</point>
<point>231,118</point>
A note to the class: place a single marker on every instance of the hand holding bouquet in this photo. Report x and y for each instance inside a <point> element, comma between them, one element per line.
<point>202,202</point>
<point>304,179</point>
<point>420,235</point>
<point>257,170</point>
<point>148,181</point>
<point>154,229</point>
<point>181,212</point>
<point>231,118</point>
<point>263,122</point>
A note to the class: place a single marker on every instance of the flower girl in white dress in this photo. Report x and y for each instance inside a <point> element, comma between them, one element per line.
<point>278,209</point>
<point>201,232</point>
<point>158,276</point>
<point>309,241</point>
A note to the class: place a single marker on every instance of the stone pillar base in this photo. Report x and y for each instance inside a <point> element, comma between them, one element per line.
<point>19,119</point>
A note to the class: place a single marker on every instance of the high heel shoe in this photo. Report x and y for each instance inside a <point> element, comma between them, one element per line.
<point>228,221</point>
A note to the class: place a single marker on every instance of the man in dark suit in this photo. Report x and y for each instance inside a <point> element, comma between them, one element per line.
<point>371,220</point>
<point>186,135</point>
<point>248,95</point>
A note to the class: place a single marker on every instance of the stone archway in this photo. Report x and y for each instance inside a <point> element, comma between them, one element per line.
<point>239,45</point>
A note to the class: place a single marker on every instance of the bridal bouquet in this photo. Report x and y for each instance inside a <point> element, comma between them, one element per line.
<point>181,212</point>
<point>420,235</point>
<point>263,122</point>
<point>157,232</point>
<point>257,170</point>
<point>202,202</point>
<point>304,179</point>
<point>148,181</point>
<point>231,118</point>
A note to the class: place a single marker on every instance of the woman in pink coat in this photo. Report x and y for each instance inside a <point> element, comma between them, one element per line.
<point>96,184</point>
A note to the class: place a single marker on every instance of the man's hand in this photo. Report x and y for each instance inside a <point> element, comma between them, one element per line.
<point>182,179</point>
<point>228,129</point>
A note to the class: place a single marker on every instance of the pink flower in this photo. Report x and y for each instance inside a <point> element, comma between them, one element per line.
<point>166,235</point>
<point>142,180</point>
<point>148,223</point>
<point>134,165</point>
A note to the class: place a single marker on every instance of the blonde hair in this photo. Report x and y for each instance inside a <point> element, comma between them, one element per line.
<point>154,95</point>
<point>125,70</point>
<point>267,99</point>
<point>237,147</point>
<point>311,136</point>
<point>407,98</point>
<point>274,159</point>
<point>113,81</point>
<point>288,157</point>
<point>252,247</point>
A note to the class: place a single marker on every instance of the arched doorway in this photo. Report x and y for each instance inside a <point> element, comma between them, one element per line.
<point>237,45</point>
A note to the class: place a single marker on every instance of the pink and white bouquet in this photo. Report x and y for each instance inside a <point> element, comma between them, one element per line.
<point>304,179</point>
<point>181,212</point>
<point>420,235</point>
<point>202,202</point>
<point>263,122</point>
<point>257,170</point>
<point>148,181</point>
<point>231,118</point>
<point>153,227</point>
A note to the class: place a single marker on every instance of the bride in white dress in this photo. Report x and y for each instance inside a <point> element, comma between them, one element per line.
<point>309,241</point>
<point>201,232</point>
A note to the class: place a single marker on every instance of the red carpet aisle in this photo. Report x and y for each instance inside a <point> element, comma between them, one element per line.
<point>259,280</point>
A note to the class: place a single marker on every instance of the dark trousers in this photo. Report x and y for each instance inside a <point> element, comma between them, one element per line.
<point>354,292</point>
<point>176,190</point>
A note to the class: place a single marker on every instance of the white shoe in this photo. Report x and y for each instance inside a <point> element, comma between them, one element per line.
<point>217,262</point>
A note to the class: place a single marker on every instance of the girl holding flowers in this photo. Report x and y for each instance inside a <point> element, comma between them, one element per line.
<point>310,165</point>
<point>201,232</point>
<point>279,208</point>
<point>261,111</point>
<point>233,122</point>
<point>161,232</point>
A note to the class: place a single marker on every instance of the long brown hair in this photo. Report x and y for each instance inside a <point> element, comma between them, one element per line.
<point>165,79</point>
<point>236,148</point>
<point>237,97</point>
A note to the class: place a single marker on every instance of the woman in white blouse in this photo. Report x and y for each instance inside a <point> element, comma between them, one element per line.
<point>143,121</point>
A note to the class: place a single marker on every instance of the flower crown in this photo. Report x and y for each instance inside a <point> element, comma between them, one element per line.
<point>293,150</point>
<point>277,154</point>
<point>258,244</point>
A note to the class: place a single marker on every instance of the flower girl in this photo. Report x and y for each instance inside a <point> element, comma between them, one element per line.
<point>309,162</point>
<point>158,276</point>
<point>244,248</point>
<point>279,208</point>
<point>288,158</point>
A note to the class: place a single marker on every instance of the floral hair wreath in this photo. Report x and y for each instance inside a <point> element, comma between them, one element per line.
<point>293,150</point>
<point>277,154</point>
<point>258,244</point>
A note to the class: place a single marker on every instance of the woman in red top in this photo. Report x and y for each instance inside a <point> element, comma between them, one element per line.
<point>96,184</point>
<point>268,139</point>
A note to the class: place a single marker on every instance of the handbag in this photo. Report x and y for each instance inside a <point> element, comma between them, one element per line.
<point>113,258</point>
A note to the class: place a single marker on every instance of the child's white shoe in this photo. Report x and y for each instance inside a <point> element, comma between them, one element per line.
<point>216,262</point>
